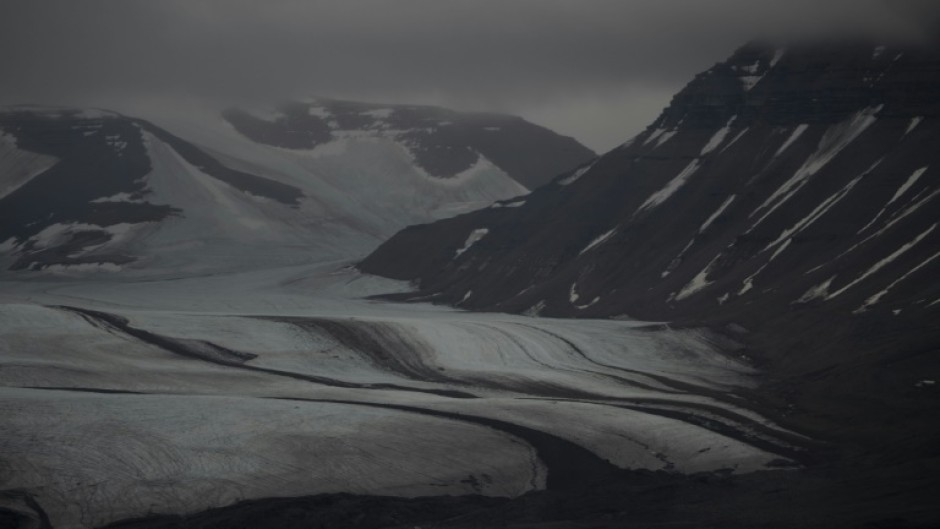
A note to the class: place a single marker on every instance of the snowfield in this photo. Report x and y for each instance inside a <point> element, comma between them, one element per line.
<point>122,398</point>
<point>358,192</point>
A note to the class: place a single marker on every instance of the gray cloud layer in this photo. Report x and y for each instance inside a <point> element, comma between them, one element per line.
<point>596,69</point>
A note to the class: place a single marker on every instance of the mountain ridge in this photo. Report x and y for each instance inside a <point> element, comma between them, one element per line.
<point>444,142</point>
<point>95,191</point>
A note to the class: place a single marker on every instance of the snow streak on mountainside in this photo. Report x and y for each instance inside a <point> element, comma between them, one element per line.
<point>94,191</point>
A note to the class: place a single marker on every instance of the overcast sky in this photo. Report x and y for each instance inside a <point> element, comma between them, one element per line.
<point>598,70</point>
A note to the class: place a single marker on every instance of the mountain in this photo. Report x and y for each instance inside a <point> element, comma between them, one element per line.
<point>443,142</point>
<point>153,192</point>
<point>787,197</point>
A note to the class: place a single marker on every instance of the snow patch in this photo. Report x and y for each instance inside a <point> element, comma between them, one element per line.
<point>8,244</point>
<point>667,191</point>
<point>663,138</point>
<point>780,250</point>
<point>820,291</point>
<point>82,268</point>
<point>59,233</point>
<point>734,140</point>
<point>654,136</point>
<point>747,285</point>
<point>718,137</point>
<point>472,239</point>
<point>751,77</point>
<point>751,68</point>
<point>898,217</point>
<point>588,305</point>
<point>379,113</point>
<point>884,262</point>
<point>721,209</point>
<point>877,297</point>
<point>795,135</point>
<point>535,310</point>
<point>814,215</point>
<point>95,113</point>
<point>601,239</point>
<point>837,138</point>
<point>913,125</point>
<point>573,177</point>
<point>911,180</point>
<point>510,204</point>
<point>482,167</point>
<point>114,141</point>
<point>748,82</point>
<point>318,111</point>
<point>120,197</point>
<point>699,282</point>
<point>677,260</point>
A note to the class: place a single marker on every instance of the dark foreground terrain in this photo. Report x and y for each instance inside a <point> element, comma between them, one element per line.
<point>831,495</point>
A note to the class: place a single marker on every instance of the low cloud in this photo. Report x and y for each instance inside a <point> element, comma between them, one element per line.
<point>596,69</point>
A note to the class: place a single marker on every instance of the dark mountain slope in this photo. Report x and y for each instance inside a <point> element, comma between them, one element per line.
<point>787,197</point>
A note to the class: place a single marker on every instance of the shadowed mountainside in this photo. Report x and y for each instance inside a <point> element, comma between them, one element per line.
<point>786,197</point>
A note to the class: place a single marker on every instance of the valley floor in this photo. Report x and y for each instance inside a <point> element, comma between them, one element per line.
<point>127,399</point>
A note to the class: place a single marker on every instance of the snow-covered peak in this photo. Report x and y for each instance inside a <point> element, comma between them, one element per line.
<point>190,193</point>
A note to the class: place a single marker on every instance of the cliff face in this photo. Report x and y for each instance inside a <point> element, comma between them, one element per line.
<point>791,193</point>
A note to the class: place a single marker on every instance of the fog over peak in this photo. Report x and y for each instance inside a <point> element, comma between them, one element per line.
<point>599,70</point>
